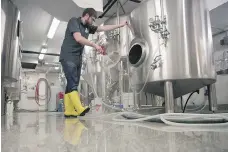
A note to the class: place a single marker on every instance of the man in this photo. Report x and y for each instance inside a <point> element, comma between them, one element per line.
<point>76,35</point>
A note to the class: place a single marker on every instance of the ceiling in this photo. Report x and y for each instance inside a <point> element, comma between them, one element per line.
<point>219,18</point>
<point>37,16</point>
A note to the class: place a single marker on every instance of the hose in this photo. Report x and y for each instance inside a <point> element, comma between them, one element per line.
<point>224,118</point>
<point>168,119</point>
<point>188,99</point>
<point>111,107</point>
<point>45,97</point>
<point>199,108</point>
<point>93,87</point>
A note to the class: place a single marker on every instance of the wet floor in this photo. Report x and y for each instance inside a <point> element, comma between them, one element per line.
<point>51,132</point>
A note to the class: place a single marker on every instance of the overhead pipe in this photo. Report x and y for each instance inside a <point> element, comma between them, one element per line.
<point>109,7</point>
<point>221,32</point>
<point>33,52</point>
<point>121,7</point>
<point>136,1</point>
<point>118,21</point>
<point>106,5</point>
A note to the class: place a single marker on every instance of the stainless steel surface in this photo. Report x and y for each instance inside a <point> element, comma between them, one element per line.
<point>10,49</point>
<point>123,45</point>
<point>108,69</point>
<point>169,98</point>
<point>221,61</point>
<point>212,98</point>
<point>186,60</point>
<point>140,47</point>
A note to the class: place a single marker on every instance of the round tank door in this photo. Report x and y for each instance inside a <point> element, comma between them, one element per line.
<point>137,52</point>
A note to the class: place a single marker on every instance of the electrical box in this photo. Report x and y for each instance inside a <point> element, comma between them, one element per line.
<point>31,90</point>
<point>224,41</point>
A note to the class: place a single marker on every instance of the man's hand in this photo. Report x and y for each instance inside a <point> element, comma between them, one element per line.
<point>124,24</point>
<point>99,49</point>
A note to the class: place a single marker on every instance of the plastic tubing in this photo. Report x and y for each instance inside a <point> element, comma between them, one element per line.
<point>162,117</point>
<point>111,107</point>
<point>199,108</point>
<point>95,92</point>
<point>135,120</point>
<point>174,116</point>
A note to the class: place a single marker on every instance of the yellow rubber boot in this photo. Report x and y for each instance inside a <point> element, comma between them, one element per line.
<point>74,97</point>
<point>69,108</point>
<point>73,130</point>
<point>69,128</point>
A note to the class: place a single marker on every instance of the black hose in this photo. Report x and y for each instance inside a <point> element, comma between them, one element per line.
<point>182,107</point>
<point>136,1</point>
<point>146,98</point>
<point>188,99</point>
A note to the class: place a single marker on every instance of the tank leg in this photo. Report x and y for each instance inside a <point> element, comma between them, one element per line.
<point>212,97</point>
<point>169,98</point>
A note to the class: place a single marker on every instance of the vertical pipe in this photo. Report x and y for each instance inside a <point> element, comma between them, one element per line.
<point>3,101</point>
<point>118,46</point>
<point>118,20</point>
<point>121,81</point>
<point>169,99</point>
<point>162,9</point>
<point>136,99</point>
<point>212,99</point>
<point>103,81</point>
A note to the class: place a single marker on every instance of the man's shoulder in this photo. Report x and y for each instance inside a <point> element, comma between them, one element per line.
<point>74,19</point>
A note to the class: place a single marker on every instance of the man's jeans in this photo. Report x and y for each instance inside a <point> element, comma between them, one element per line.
<point>72,70</point>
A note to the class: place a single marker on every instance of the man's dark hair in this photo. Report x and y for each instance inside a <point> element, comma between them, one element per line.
<point>89,11</point>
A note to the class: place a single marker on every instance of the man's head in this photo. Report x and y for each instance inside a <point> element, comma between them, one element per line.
<point>89,15</point>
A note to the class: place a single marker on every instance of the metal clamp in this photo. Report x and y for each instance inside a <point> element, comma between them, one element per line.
<point>156,63</point>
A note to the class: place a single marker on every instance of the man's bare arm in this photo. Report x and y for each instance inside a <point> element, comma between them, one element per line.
<point>110,27</point>
<point>80,39</point>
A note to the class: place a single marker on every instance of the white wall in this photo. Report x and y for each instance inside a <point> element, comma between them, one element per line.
<point>215,3</point>
<point>222,81</point>
<point>30,80</point>
<point>53,79</point>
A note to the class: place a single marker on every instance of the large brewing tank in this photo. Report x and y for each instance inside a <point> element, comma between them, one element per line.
<point>186,53</point>
<point>10,42</point>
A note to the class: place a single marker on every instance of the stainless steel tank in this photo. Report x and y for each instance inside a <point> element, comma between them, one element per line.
<point>178,34</point>
<point>103,72</point>
<point>116,43</point>
<point>10,42</point>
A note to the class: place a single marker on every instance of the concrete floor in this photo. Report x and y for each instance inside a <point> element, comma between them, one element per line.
<point>50,132</point>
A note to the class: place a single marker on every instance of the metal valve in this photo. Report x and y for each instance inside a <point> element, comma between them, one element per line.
<point>159,26</point>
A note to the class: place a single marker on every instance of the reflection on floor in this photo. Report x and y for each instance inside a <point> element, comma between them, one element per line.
<point>51,132</point>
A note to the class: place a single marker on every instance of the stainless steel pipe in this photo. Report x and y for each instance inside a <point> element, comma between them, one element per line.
<point>169,98</point>
<point>212,97</point>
